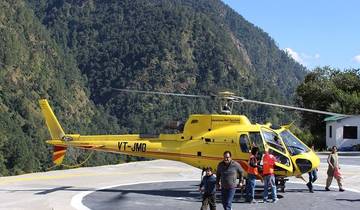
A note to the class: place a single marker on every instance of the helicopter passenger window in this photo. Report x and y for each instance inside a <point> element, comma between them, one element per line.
<point>244,143</point>
<point>273,140</point>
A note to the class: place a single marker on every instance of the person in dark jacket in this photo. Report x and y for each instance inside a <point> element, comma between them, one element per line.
<point>312,176</point>
<point>228,171</point>
<point>207,187</point>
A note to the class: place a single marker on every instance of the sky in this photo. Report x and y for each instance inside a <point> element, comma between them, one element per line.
<point>315,33</point>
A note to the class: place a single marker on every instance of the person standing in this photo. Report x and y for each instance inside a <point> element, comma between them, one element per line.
<point>312,176</point>
<point>207,186</point>
<point>268,175</point>
<point>228,171</point>
<point>252,173</point>
<point>333,170</point>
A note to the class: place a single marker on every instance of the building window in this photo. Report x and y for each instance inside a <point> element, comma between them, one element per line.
<point>350,132</point>
<point>330,131</point>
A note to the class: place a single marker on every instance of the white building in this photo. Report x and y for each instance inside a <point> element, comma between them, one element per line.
<point>343,132</point>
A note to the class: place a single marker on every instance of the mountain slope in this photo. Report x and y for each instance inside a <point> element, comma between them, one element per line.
<point>74,52</point>
<point>32,66</point>
<point>181,45</point>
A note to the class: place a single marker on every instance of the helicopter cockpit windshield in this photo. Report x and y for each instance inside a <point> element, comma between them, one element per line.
<point>294,145</point>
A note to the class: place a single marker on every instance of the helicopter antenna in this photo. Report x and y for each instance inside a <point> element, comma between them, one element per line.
<point>227,100</point>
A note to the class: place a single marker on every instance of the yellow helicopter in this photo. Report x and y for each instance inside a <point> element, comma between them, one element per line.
<point>201,141</point>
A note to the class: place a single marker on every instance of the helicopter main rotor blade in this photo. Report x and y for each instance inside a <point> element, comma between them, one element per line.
<point>291,107</point>
<point>233,98</point>
<point>161,93</point>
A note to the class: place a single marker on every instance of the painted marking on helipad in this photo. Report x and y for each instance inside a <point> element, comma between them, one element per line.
<point>77,203</point>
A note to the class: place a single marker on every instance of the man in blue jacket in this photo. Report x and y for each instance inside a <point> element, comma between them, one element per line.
<point>207,186</point>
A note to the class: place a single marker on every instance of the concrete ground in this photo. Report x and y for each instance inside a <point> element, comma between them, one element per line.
<point>183,196</point>
<point>76,188</point>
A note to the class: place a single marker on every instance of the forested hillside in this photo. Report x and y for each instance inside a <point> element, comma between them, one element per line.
<point>33,66</point>
<point>74,52</point>
<point>180,45</point>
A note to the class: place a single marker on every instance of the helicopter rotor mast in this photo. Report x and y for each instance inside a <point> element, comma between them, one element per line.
<point>227,100</point>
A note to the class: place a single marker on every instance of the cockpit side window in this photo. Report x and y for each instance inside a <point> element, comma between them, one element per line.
<point>244,143</point>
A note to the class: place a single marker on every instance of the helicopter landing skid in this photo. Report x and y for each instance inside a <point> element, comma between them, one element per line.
<point>280,183</point>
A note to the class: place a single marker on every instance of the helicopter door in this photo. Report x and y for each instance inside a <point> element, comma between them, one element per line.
<point>277,148</point>
<point>256,140</point>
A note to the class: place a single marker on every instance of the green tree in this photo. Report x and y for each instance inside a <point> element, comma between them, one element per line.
<point>330,90</point>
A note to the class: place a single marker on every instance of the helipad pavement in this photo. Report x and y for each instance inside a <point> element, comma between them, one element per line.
<point>129,186</point>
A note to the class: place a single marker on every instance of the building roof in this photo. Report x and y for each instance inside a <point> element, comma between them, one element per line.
<point>338,117</point>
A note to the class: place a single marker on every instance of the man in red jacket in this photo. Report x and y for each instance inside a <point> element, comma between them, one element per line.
<point>268,175</point>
